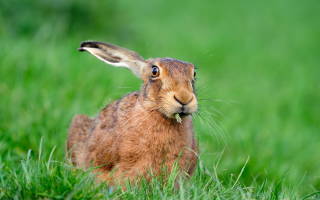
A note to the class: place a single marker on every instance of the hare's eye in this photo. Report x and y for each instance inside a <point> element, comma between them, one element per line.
<point>194,74</point>
<point>155,72</point>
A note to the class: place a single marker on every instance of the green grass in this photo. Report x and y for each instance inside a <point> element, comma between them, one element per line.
<point>42,177</point>
<point>258,87</point>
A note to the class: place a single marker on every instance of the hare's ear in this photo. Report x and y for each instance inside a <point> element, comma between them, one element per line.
<point>116,56</point>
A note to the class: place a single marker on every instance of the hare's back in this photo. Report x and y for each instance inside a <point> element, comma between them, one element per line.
<point>116,113</point>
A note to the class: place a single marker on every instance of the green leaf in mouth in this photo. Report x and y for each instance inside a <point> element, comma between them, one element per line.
<point>178,118</point>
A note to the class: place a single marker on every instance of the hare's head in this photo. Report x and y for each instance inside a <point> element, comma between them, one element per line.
<point>168,83</point>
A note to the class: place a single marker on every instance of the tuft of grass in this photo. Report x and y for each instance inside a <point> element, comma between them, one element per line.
<point>48,179</point>
<point>42,177</point>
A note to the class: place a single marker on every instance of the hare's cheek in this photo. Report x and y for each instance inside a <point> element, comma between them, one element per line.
<point>167,104</point>
<point>154,88</point>
<point>151,89</point>
<point>172,106</point>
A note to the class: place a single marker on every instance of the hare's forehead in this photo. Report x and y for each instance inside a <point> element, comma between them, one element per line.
<point>174,67</point>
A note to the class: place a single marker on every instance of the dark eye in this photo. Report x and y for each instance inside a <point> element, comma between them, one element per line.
<point>194,74</point>
<point>155,72</point>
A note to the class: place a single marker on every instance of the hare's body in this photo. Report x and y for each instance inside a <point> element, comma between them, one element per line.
<point>146,142</point>
<point>137,136</point>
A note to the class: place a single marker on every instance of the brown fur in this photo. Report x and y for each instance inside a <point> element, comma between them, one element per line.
<point>137,135</point>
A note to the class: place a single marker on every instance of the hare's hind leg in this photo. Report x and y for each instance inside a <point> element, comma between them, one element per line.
<point>79,130</point>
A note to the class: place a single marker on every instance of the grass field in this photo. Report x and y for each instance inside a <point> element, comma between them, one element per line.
<point>258,87</point>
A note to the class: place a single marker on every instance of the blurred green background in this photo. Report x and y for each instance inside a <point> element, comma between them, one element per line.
<point>258,77</point>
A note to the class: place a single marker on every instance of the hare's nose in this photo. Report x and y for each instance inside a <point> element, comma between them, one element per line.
<point>183,99</point>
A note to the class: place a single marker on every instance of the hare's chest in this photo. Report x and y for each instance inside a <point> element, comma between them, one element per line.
<point>154,148</point>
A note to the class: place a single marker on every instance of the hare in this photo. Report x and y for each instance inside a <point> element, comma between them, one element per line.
<point>145,133</point>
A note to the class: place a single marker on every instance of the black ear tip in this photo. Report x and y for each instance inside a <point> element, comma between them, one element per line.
<point>91,44</point>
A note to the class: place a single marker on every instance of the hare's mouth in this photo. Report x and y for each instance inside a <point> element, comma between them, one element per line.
<point>183,114</point>
<point>180,116</point>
